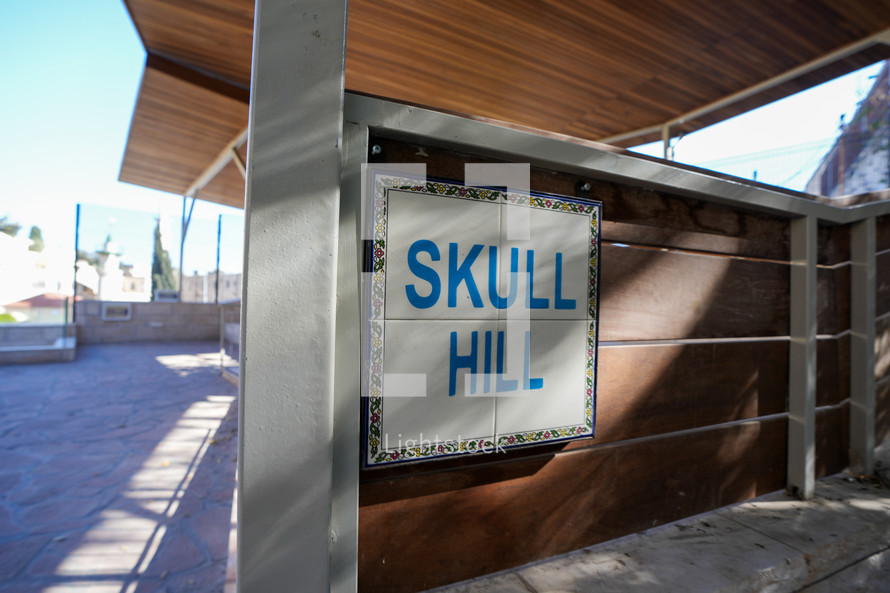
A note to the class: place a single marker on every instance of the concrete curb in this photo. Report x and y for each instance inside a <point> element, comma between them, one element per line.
<point>839,541</point>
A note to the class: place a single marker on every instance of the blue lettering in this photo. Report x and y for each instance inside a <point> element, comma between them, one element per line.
<point>527,383</point>
<point>463,362</point>
<point>462,273</point>
<point>498,301</point>
<point>503,385</point>
<point>486,377</point>
<point>533,302</point>
<point>558,301</point>
<point>423,272</point>
<point>470,362</point>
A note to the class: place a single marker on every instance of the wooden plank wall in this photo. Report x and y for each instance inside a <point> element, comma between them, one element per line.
<point>681,428</point>
<point>833,351</point>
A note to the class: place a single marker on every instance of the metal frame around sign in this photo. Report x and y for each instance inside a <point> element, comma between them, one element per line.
<point>379,450</point>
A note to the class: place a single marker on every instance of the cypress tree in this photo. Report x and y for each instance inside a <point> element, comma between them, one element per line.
<point>162,276</point>
<point>36,239</point>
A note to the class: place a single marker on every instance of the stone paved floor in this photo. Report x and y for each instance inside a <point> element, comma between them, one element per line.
<point>117,471</point>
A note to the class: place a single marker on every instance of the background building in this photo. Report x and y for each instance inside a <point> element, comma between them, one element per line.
<point>859,161</point>
<point>202,288</point>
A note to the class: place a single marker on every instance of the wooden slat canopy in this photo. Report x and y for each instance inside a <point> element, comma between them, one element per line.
<point>602,70</point>
<point>183,120</point>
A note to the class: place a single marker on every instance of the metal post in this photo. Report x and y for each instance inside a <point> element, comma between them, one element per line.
<point>218,241</point>
<point>222,340</point>
<point>802,360</point>
<point>862,346</point>
<point>347,393</point>
<point>181,248</point>
<point>76,249</point>
<point>184,230</point>
<point>286,463</point>
<point>666,142</point>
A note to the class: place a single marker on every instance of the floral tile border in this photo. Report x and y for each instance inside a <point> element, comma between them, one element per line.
<point>376,453</point>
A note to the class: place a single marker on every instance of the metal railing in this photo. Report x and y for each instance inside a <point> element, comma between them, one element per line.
<point>230,336</point>
<point>804,211</point>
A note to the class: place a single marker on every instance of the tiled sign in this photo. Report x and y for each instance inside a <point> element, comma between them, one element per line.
<point>477,341</point>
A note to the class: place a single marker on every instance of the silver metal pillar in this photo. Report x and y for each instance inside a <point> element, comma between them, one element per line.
<point>802,360</point>
<point>666,142</point>
<point>862,347</point>
<point>347,384</point>
<point>292,206</point>
<point>184,229</point>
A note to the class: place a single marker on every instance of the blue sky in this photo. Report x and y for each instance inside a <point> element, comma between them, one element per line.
<point>71,72</point>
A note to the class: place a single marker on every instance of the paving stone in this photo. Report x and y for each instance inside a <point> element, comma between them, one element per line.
<point>222,494</point>
<point>30,493</point>
<point>45,565</point>
<point>101,443</point>
<point>217,541</point>
<point>59,510</point>
<point>830,532</point>
<point>101,559</point>
<point>8,525</point>
<point>505,583</point>
<point>151,585</point>
<point>87,586</point>
<point>114,520</point>
<point>713,554</point>
<point>190,505</point>
<point>863,499</point>
<point>88,465</point>
<point>15,555</point>
<point>9,481</point>
<point>837,542</point>
<point>202,484</point>
<point>206,580</point>
<point>22,588</point>
<point>19,460</point>
<point>19,438</point>
<point>177,553</point>
<point>870,575</point>
<point>78,476</point>
<point>119,476</point>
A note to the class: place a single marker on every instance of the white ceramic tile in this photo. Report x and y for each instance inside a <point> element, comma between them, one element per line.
<point>450,228</point>
<point>557,357</point>
<point>423,348</point>
<point>559,242</point>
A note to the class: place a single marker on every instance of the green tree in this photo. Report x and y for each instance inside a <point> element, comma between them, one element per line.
<point>90,258</point>
<point>36,239</point>
<point>162,276</point>
<point>9,228</point>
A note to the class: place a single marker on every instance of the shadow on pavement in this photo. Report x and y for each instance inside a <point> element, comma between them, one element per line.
<point>118,471</point>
